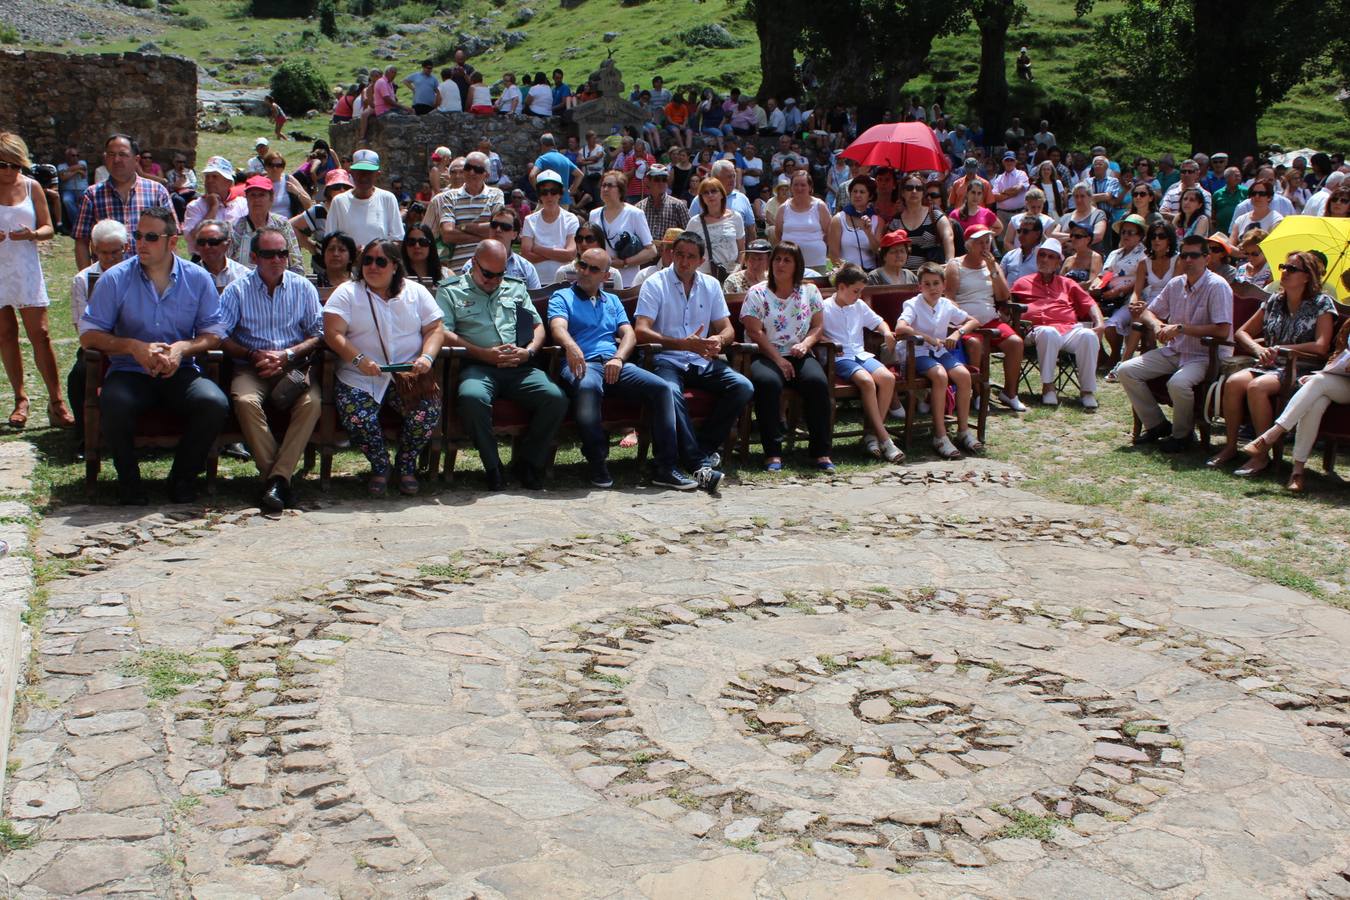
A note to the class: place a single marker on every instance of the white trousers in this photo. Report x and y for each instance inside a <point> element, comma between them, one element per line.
<point>1303,415</point>
<point>1082,342</point>
<point>1134,375</point>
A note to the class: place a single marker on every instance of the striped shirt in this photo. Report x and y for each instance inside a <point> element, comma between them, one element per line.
<point>241,242</point>
<point>462,208</point>
<point>101,201</point>
<point>257,320</point>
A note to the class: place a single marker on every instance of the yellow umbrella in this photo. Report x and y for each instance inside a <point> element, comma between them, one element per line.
<point>1330,237</point>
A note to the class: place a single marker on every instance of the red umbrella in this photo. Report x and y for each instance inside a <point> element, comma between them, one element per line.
<point>905,146</point>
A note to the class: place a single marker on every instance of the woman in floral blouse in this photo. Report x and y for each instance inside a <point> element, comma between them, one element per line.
<point>1300,317</point>
<point>784,318</point>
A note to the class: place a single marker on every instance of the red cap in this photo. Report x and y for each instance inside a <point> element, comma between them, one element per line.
<point>976,230</point>
<point>338,176</point>
<point>898,236</point>
<point>261,182</point>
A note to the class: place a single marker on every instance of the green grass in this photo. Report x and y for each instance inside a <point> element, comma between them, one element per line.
<point>165,671</point>
<point>12,839</point>
<point>446,571</point>
<point>1028,825</point>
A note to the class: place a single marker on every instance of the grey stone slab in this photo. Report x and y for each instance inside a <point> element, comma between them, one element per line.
<point>470,839</point>
<point>396,677</point>
<point>528,786</point>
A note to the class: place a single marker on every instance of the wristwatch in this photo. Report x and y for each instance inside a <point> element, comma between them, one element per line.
<point>530,358</point>
<point>290,355</point>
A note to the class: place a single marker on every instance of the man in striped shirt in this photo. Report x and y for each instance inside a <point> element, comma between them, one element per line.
<point>273,319</point>
<point>124,196</point>
<point>468,211</point>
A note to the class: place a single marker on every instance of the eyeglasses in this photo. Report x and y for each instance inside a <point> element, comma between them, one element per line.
<point>1260,193</point>
<point>584,266</point>
<point>481,170</point>
<point>1285,267</point>
<point>210,242</point>
<point>276,165</point>
<point>379,262</point>
<point>488,275</point>
<point>501,226</point>
<point>416,242</point>
<point>10,165</point>
<point>270,254</point>
<point>150,237</point>
<point>1192,254</point>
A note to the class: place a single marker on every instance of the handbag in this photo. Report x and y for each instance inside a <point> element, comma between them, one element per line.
<point>290,386</point>
<point>412,387</point>
<point>719,271</point>
<point>625,247</point>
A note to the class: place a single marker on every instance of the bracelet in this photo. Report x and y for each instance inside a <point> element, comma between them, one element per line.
<point>428,357</point>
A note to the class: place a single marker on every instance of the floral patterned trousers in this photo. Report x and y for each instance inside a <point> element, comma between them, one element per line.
<point>359,414</point>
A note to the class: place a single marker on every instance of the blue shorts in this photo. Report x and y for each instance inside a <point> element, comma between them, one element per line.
<point>948,359</point>
<point>844,368</point>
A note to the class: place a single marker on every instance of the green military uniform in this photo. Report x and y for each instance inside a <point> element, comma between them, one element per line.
<point>490,320</point>
<point>1224,203</point>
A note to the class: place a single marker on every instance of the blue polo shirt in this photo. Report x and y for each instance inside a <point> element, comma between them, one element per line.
<point>126,304</point>
<point>592,322</point>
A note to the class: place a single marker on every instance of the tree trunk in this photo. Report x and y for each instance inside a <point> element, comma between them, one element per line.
<point>993,17</point>
<point>1224,111</point>
<point>778,32</point>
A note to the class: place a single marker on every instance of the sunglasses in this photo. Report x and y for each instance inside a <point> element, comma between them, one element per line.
<point>1190,171</point>
<point>1217,250</point>
<point>416,242</point>
<point>489,275</point>
<point>583,266</point>
<point>932,196</point>
<point>151,237</point>
<point>276,165</point>
<point>1028,230</point>
<point>1285,267</point>
<point>270,254</point>
<point>1341,198</point>
<point>1192,254</point>
<point>380,262</point>
<point>587,239</point>
<point>481,170</point>
<point>550,192</point>
<point>610,184</point>
<point>210,242</point>
<point>10,165</point>
<point>911,187</point>
<point>1143,193</point>
<point>501,226</point>
<point>1260,194</point>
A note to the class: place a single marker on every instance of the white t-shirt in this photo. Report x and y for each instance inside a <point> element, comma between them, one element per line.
<point>480,95</point>
<point>365,220</point>
<point>754,172</point>
<point>934,321</point>
<point>451,101</point>
<point>504,102</point>
<point>401,320</point>
<point>844,326</point>
<point>540,100</point>
<point>630,221</point>
<point>722,235</point>
<point>549,234</point>
<point>1245,222</point>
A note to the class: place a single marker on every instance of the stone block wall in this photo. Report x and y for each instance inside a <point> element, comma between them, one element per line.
<point>405,143</point>
<point>59,99</point>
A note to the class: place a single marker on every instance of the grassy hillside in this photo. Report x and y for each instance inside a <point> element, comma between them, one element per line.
<point>238,49</point>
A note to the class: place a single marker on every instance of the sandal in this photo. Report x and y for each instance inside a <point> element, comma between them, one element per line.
<point>408,486</point>
<point>969,442</point>
<point>892,453</point>
<point>58,416</point>
<point>1258,447</point>
<point>872,446</point>
<point>377,485</point>
<point>945,448</point>
<point>19,417</point>
<point>1295,485</point>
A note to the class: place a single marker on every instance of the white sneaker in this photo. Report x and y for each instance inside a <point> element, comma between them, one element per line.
<point>1089,401</point>
<point>1012,403</point>
<point>898,413</point>
<point>872,445</point>
<point>1050,398</point>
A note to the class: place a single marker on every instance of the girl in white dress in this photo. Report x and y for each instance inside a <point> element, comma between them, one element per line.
<point>25,220</point>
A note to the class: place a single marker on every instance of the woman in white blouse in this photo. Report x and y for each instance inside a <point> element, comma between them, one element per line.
<point>722,229</point>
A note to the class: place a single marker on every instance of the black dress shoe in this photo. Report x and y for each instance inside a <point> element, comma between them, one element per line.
<point>274,495</point>
<point>528,476</point>
<point>1154,434</point>
<point>496,481</point>
<point>288,494</point>
<point>1175,444</point>
<point>184,491</point>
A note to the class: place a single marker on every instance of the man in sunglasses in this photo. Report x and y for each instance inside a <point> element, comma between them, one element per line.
<point>1020,261</point>
<point>1190,178</point>
<point>1195,304</point>
<point>592,328</point>
<point>151,316</point>
<point>366,212</point>
<point>211,244</point>
<point>273,321</point>
<point>466,215</point>
<point>493,318</point>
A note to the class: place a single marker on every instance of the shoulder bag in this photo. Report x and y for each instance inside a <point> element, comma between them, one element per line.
<point>412,387</point>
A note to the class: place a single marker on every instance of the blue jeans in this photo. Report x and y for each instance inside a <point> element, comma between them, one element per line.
<point>635,383</point>
<point>732,390</point>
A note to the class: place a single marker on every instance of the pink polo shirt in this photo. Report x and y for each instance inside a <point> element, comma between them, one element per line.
<point>385,96</point>
<point>1060,303</point>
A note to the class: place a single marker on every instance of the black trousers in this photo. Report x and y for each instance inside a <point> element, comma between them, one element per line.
<point>810,385</point>
<point>197,401</point>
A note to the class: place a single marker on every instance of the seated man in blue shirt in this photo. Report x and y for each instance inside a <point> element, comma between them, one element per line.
<point>151,315</point>
<point>593,330</point>
<point>685,312</point>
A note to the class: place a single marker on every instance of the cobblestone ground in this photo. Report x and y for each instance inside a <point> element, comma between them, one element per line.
<point>925,684</point>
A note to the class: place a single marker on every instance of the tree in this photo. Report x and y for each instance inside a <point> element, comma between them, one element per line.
<point>298,87</point>
<point>778,27</point>
<point>328,19</point>
<point>993,18</point>
<point>1211,67</point>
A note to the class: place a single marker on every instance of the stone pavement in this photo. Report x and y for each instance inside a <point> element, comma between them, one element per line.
<point>923,683</point>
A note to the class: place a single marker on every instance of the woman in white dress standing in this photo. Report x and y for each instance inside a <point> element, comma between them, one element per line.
<point>25,220</point>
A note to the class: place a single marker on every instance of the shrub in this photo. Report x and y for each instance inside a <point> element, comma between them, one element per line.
<point>328,19</point>
<point>196,23</point>
<point>139,4</point>
<point>8,35</point>
<point>381,28</point>
<point>298,87</point>
<point>709,35</point>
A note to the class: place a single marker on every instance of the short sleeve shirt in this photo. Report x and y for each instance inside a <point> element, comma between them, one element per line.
<point>592,322</point>
<point>1207,302</point>
<point>486,320</point>
<point>398,321</point>
<point>675,314</point>
<point>844,325</point>
<point>936,321</point>
<point>1280,327</point>
<point>786,321</point>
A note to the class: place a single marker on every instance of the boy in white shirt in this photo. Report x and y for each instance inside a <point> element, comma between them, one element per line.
<point>933,317</point>
<point>845,319</point>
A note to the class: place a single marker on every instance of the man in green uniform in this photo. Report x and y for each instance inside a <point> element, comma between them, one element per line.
<point>493,318</point>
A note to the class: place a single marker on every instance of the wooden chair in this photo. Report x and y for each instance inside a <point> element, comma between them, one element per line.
<point>1158,387</point>
<point>1334,429</point>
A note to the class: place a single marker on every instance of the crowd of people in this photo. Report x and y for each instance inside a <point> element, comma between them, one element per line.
<point>1101,251</point>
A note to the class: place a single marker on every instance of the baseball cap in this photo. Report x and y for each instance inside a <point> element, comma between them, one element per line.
<point>1009,155</point>
<point>975,231</point>
<point>972,164</point>
<point>892,238</point>
<point>365,161</point>
<point>220,165</point>
<point>759,245</point>
<point>261,142</point>
<point>258,182</point>
<point>548,176</point>
<point>1219,154</point>
<point>1052,245</point>
<point>790,101</point>
<point>658,171</point>
<point>338,176</point>
<point>442,153</point>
